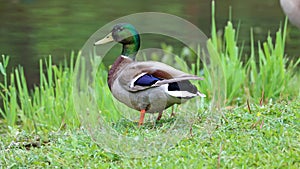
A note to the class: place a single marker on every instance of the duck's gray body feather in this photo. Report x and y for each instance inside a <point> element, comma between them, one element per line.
<point>152,98</point>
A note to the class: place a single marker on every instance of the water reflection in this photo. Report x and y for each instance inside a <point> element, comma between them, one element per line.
<point>32,29</point>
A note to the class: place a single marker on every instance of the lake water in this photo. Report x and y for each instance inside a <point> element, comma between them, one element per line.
<point>31,29</point>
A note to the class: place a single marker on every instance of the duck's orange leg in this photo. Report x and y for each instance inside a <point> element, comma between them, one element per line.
<point>159,116</point>
<point>173,113</point>
<point>142,116</point>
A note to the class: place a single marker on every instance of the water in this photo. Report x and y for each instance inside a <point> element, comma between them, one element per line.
<point>31,29</point>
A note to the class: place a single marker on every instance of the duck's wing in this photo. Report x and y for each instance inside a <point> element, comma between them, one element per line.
<point>144,75</point>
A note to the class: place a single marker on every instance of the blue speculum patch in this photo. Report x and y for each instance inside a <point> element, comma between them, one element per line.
<point>146,80</point>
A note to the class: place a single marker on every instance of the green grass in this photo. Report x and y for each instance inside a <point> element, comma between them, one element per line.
<point>48,106</point>
<point>273,73</point>
<point>269,73</point>
<point>268,137</point>
<point>41,128</point>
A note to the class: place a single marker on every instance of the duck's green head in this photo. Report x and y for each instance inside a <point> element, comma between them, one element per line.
<point>127,35</point>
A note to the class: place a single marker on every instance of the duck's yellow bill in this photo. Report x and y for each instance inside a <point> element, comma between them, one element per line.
<point>108,38</point>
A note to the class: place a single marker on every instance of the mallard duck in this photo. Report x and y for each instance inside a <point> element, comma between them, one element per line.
<point>292,9</point>
<point>145,86</point>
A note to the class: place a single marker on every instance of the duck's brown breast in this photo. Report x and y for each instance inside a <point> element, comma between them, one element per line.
<point>119,64</point>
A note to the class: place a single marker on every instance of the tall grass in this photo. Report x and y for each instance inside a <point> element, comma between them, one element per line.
<point>273,73</point>
<point>8,94</point>
<point>47,106</point>
<point>269,73</point>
